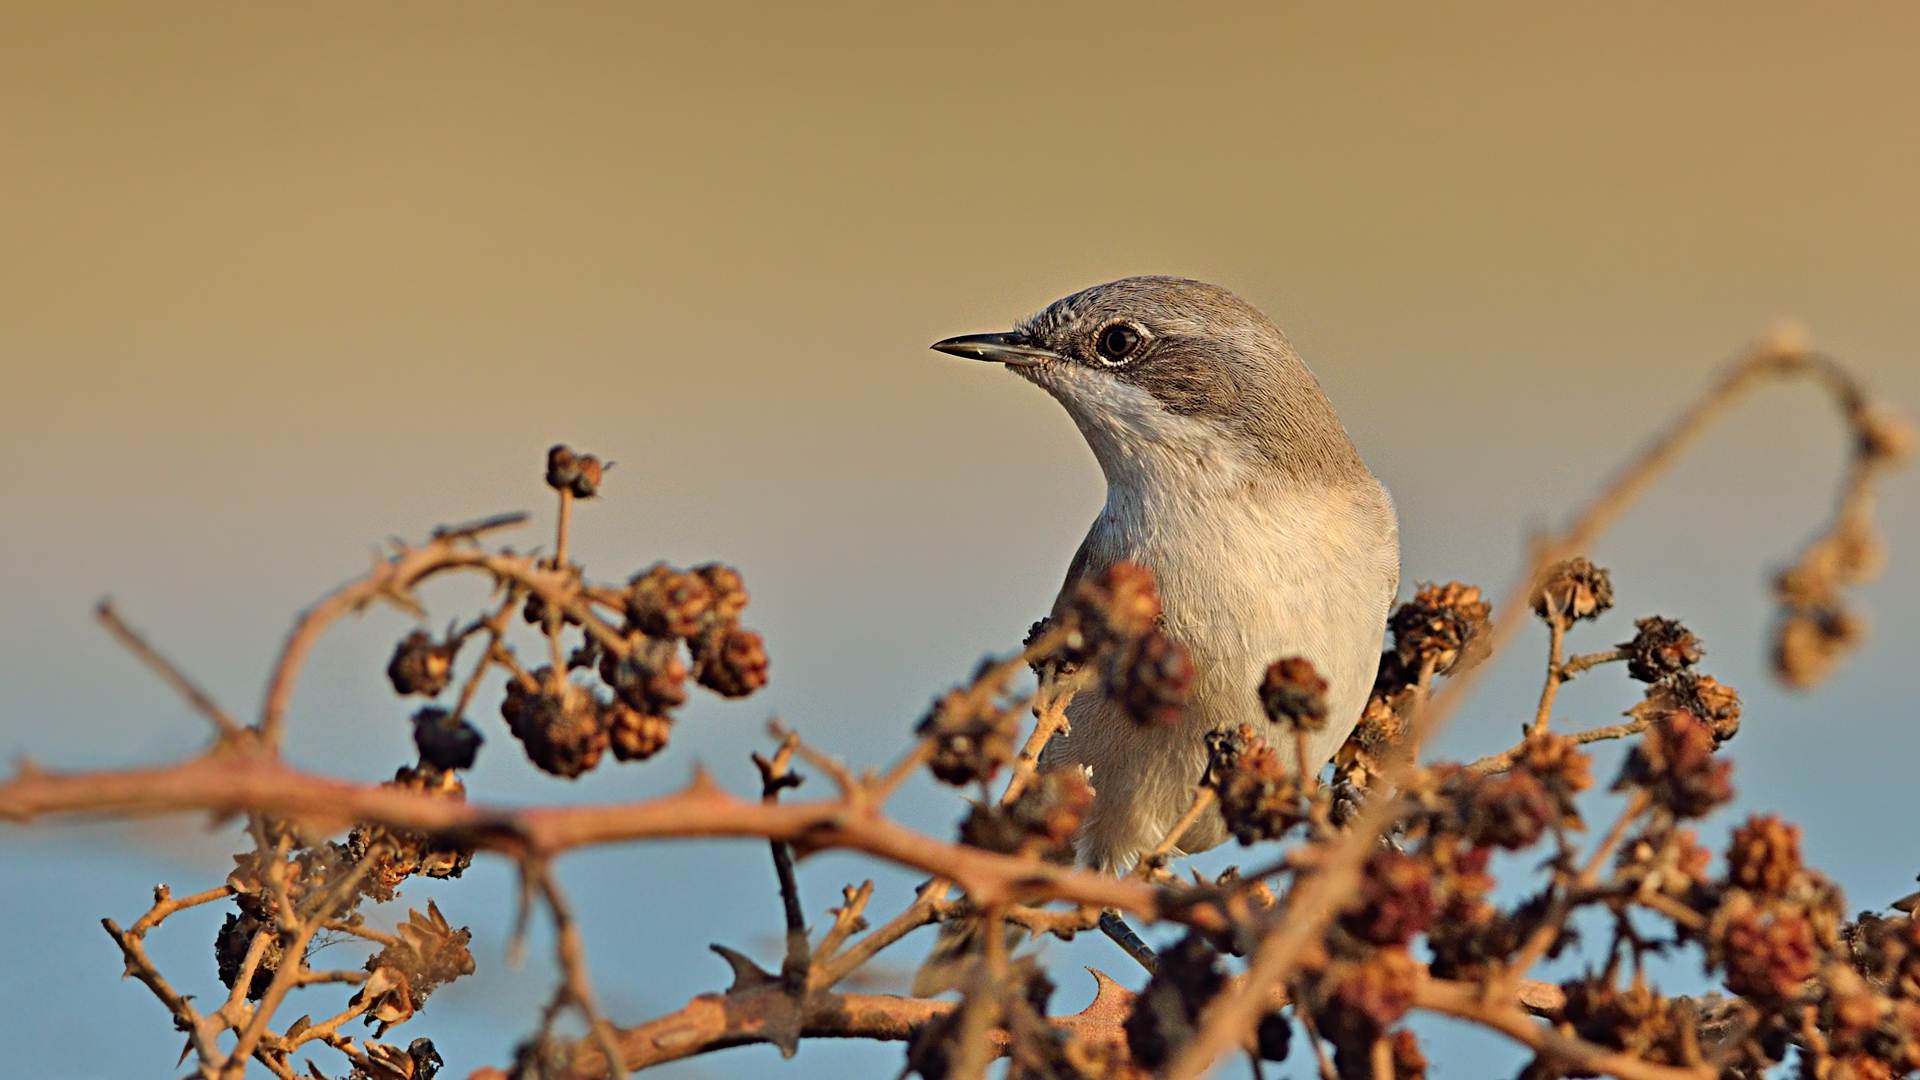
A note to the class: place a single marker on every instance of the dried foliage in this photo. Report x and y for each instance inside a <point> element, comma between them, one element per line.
<point>1390,858</point>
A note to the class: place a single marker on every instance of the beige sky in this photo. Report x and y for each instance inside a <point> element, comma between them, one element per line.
<point>278,281</point>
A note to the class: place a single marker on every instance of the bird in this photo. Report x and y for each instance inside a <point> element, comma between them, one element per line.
<point>1230,477</point>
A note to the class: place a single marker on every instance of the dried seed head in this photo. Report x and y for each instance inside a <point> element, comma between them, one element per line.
<point>1702,695</point>
<point>559,724</point>
<point>663,602</point>
<point>232,943</point>
<point>1573,590</point>
<point>1764,856</point>
<point>1368,996</point>
<point>1556,761</point>
<point>1165,1016</point>
<point>1443,625</point>
<point>420,666</point>
<point>1121,603</point>
<point>1511,810</point>
<point>1293,693</point>
<point>1662,648</point>
<point>1151,678</point>
<point>1664,860</point>
<point>633,735</point>
<point>1886,438</point>
<point>972,736</point>
<point>1674,762</point>
<point>1396,899</point>
<point>1768,953</point>
<point>650,678</point>
<point>1809,645</point>
<point>1408,1062</point>
<point>731,665</point>
<point>429,954</point>
<point>728,589</point>
<point>577,473</point>
<point>1259,796</point>
<point>443,742</point>
<point>397,854</point>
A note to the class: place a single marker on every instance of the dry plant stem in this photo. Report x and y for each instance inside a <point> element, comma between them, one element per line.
<point>1467,1003</point>
<point>199,1033</point>
<point>1505,759</point>
<point>1543,936</point>
<point>562,529</point>
<point>931,907</point>
<point>173,676</point>
<point>394,579</point>
<point>1557,636</point>
<point>848,920</point>
<point>1203,798</point>
<point>1050,716</point>
<point>1320,1057</point>
<point>572,955</point>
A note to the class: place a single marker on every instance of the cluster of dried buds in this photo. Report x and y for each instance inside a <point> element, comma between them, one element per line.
<point>1441,630</point>
<point>1113,624</point>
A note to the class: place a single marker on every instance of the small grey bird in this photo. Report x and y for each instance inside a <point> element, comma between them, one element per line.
<point>1229,476</point>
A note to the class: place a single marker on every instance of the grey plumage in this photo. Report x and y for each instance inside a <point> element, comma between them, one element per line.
<point>1229,475</point>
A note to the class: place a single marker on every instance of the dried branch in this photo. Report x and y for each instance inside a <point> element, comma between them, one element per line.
<point>185,687</point>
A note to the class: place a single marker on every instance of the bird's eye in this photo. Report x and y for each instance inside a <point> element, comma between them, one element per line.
<point>1118,342</point>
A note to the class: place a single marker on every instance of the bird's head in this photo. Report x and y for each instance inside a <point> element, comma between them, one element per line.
<point>1164,371</point>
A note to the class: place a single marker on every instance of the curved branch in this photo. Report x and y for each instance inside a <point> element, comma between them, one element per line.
<point>229,781</point>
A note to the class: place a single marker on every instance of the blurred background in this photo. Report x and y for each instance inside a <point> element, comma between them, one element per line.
<point>279,282</point>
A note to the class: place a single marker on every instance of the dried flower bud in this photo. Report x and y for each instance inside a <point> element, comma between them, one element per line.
<point>536,613</point>
<point>1259,796</point>
<point>429,954</point>
<point>650,678</point>
<point>1574,589</point>
<point>1557,762</point>
<point>576,473</point>
<point>1664,860</point>
<point>1662,647</point>
<point>1408,1062</point>
<point>728,589</point>
<point>1764,856</point>
<point>558,724</point>
<point>1368,997</point>
<point>1166,1015</point>
<point>1443,625</point>
<point>1293,693</point>
<point>1886,438</point>
<point>1396,900</point>
<point>972,737</point>
<point>1767,952</point>
<point>443,742</point>
<point>1510,810</point>
<point>419,666</point>
<point>633,735</point>
<point>1809,645</point>
<point>736,667</point>
<point>1151,678</point>
<point>1041,820</point>
<point>1675,763</point>
<point>235,939</point>
<point>663,602</point>
<point>1659,1030</point>
<point>397,854</point>
<point>1702,695</point>
<point>1049,810</point>
<point>1122,602</point>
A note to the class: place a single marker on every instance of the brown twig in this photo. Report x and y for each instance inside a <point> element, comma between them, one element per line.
<point>185,687</point>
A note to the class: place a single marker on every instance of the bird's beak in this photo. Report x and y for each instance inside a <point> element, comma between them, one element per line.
<point>1005,348</point>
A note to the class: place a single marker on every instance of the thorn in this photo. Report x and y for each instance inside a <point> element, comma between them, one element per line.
<point>747,975</point>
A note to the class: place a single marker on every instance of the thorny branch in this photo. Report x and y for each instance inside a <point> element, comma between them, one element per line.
<point>1332,921</point>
